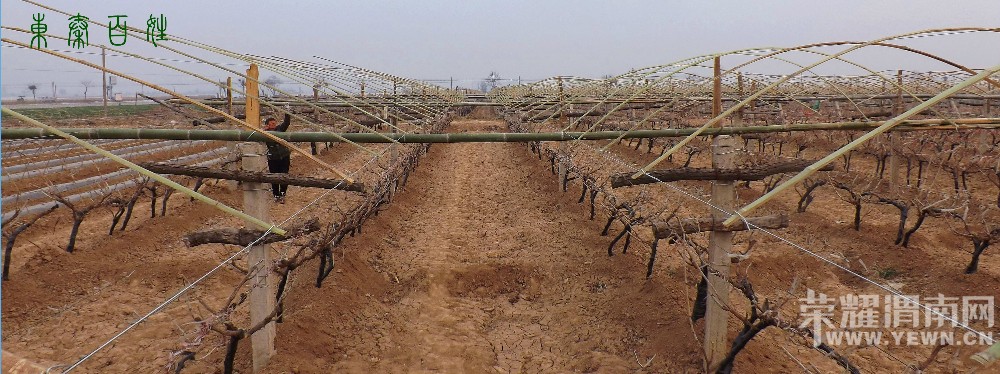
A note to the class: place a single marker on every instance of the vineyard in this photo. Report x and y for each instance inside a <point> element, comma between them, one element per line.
<point>673,218</point>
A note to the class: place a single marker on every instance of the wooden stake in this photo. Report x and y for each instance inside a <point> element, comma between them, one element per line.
<point>561,170</point>
<point>894,163</point>
<point>316,113</point>
<point>739,84</point>
<point>255,204</point>
<point>717,89</point>
<point>104,80</point>
<point>720,242</point>
<point>562,100</point>
<point>229,95</point>
<point>230,146</point>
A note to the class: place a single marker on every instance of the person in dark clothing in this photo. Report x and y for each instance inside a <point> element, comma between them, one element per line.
<point>278,156</point>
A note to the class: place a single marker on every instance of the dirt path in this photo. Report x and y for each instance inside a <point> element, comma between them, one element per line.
<point>481,265</point>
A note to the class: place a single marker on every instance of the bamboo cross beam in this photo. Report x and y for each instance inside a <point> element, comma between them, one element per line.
<point>159,178</point>
<point>886,126</point>
<point>301,137</point>
<point>242,123</point>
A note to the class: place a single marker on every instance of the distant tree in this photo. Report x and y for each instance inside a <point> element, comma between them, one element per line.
<point>491,82</point>
<point>86,85</point>
<point>321,83</point>
<point>243,85</point>
<point>272,83</point>
<point>33,87</point>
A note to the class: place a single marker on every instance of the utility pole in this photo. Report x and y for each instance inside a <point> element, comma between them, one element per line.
<point>259,258</point>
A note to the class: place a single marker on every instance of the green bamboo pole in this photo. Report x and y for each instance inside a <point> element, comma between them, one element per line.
<point>857,142</point>
<point>989,355</point>
<point>301,137</point>
<point>159,178</point>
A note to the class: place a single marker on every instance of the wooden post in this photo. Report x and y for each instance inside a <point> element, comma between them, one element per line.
<point>719,245</point>
<point>897,109</point>
<point>255,204</point>
<point>562,100</point>
<point>720,242</point>
<point>315,147</point>
<point>229,95</point>
<point>230,146</point>
<point>561,170</point>
<point>104,80</point>
<point>717,89</point>
<point>739,84</point>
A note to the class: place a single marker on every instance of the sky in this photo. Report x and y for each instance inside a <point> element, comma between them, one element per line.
<point>466,40</point>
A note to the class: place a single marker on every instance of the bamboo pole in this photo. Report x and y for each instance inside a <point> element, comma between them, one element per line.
<point>159,178</point>
<point>191,101</point>
<point>989,356</point>
<point>860,140</point>
<point>301,137</point>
